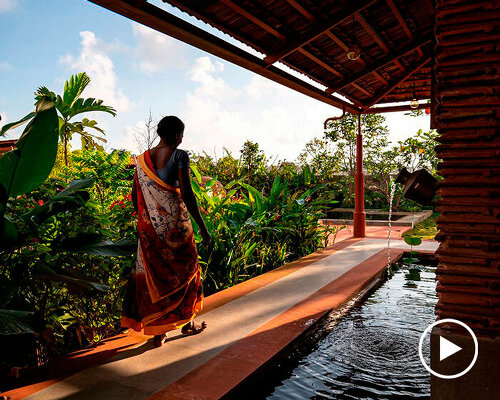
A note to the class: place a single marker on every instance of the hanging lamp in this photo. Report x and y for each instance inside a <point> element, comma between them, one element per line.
<point>354,52</point>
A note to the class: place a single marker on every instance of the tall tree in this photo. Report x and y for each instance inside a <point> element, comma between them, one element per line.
<point>336,151</point>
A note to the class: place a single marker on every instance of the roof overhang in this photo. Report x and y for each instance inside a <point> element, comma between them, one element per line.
<point>388,72</point>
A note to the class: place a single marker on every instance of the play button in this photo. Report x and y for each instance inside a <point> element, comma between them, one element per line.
<point>464,355</point>
<point>447,348</point>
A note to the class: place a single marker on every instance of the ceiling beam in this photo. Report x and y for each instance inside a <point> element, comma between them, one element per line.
<point>322,63</point>
<point>400,19</point>
<point>345,47</point>
<point>361,89</point>
<point>295,4</point>
<point>384,92</point>
<point>391,57</point>
<point>380,78</point>
<point>368,28</point>
<point>182,5</point>
<point>376,37</point>
<point>403,107</point>
<point>254,19</point>
<point>162,21</point>
<point>318,30</point>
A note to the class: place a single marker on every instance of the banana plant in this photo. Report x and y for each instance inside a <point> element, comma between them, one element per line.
<point>23,170</point>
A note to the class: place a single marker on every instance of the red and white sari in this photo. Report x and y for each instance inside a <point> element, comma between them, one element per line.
<point>164,291</point>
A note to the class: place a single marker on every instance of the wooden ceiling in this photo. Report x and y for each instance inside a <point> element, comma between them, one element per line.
<point>312,37</point>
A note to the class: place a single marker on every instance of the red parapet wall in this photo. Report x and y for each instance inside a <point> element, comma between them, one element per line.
<point>467,79</point>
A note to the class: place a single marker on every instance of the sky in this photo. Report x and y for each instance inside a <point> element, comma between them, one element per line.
<point>138,70</point>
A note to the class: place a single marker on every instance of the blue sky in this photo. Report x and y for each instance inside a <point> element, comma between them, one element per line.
<point>136,69</point>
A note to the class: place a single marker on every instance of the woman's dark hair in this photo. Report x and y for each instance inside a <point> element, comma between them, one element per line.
<point>169,129</point>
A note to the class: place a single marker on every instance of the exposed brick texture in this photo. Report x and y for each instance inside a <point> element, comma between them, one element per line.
<point>467,78</point>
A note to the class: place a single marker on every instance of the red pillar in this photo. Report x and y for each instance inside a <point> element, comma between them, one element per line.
<point>359,187</point>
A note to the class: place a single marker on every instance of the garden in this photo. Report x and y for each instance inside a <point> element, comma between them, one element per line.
<point>68,228</point>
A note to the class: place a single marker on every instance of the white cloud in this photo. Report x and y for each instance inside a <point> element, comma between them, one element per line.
<point>94,60</point>
<point>8,5</point>
<point>281,120</point>
<point>218,115</point>
<point>5,66</point>
<point>156,51</point>
<point>209,85</point>
<point>402,126</point>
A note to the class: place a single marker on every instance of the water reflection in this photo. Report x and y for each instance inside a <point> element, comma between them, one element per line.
<point>372,353</point>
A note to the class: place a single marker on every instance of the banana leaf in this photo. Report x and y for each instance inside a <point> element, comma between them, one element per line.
<point>71,198</point>
<point>93,243</point>
<point>73,283</point>
<point>28,166</point>
<point>13,322</point>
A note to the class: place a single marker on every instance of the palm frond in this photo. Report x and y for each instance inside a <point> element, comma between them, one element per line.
<point>90,104</point>
<point>74,87</point>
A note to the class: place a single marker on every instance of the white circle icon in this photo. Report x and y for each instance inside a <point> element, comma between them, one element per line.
<point>447,348</point>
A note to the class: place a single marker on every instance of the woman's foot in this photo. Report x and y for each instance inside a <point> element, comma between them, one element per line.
<point>193,328</point>
<point>159,339</point>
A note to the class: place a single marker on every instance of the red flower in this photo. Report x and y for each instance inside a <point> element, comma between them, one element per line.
<point>427,111</point>
<point>40,202</point>
<point>112,205</point>
<point>134,213</point>
<point>36,240</point>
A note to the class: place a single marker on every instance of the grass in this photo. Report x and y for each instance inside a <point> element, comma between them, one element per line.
<point>426,229</point>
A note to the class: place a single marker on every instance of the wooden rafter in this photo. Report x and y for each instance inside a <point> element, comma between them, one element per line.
<point>162,21</point>
<point>295,4</point>
<point>391,57</point>
<point>386,109</point>
<point>181,5</point>
<point>322,63</point>
<point>400,18</point>
<point>369,29</point>
<point>430,6</point>
<point>384,92</point>
<point>376,37</point>
<point>318,30</point>
<point>338,41</point>
<point>345,47</point>
<point>253,18</point>
<point>361,89</point>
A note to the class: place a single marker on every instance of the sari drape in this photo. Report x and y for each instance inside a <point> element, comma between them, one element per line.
<point>164,291</point>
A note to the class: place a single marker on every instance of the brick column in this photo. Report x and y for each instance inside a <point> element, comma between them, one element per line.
<point>467,72</point>
<point>467,85</point>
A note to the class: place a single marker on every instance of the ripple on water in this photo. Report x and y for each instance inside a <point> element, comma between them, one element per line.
<point>372,353</point>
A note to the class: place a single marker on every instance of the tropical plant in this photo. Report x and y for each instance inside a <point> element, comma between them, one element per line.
<point>110,172</point>
<point>69,105</point>
<point>41,246</point>
<point>254,233</point>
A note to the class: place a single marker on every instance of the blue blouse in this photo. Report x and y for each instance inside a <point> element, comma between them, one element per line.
<point>170,172</point>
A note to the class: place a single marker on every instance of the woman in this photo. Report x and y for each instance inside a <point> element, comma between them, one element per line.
<point>164,291</point>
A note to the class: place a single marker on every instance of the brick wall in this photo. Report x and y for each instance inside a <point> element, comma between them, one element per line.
<point>467,78</point>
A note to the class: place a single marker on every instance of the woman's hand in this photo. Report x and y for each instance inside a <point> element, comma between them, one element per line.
<point>206,239</point>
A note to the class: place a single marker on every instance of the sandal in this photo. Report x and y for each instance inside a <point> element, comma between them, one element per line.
<point>159,339</point>
<point>193,329</point>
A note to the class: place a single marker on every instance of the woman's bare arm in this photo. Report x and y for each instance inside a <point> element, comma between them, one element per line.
<point>190,201</point>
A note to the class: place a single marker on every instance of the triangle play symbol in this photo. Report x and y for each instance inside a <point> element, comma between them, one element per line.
<point>447,348</point>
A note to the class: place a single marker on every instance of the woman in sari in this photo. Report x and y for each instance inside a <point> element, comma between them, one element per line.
<point>164,291</point>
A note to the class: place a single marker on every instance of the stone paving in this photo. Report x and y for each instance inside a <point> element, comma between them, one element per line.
<point>140,372</point>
